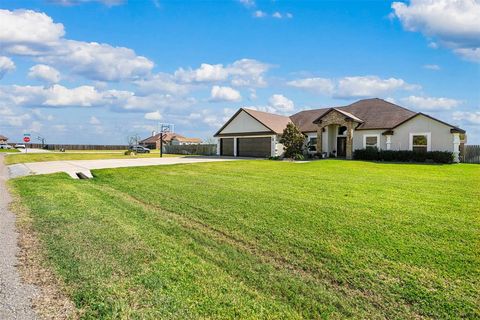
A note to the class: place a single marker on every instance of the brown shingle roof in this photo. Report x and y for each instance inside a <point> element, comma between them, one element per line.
<point>378,114</point>
<point>274,122</point>
<point>3,137</point>
<point>169,136</point>
<point>375,114</point>
<point>370,113</point>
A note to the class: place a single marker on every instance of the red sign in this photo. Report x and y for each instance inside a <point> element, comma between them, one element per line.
<point>26,139</point>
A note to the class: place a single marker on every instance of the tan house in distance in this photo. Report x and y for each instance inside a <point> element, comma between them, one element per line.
<point>339,131</point>
<point>3,139</point>
<point>169,138</point>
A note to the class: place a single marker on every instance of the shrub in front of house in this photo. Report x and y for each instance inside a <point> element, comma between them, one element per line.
<point>373,154</point>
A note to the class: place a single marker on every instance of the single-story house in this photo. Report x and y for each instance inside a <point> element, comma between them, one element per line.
<point>169,138</point>
<point>3,139</point>
<point>338,131</point>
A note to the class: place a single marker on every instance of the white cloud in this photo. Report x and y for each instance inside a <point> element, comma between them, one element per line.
<point>45,73</point>
<point>6,65</point>
<point>281,104</point>
<point>244,72</point>
<point>277,15</point>
<point>317,85</point>
<point>452,23</point>
<point>108,3</point>
<point>368,86</point>
<point>352,87</point>
<point>98,61</point>
<point>41,116</point>
<point>94,121</point>
<point>30,33</point>
<point>434,67</point>
<point>248,3</point>
<point>161,82</point>
<point>259,14</point>
<point>431,103</point>
<point>153,115</point>
<point>219,94</point>
<point>472,118</point>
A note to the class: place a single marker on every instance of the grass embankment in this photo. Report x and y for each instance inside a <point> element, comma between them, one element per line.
<point>264,239</point>
<point>57,156</point>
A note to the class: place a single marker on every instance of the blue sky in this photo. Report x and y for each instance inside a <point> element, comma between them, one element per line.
<point>86,71</point>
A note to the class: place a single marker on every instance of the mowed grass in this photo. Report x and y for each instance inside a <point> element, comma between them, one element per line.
<point>264,239</point>
<point>8,150</point>
<point>57,156</point>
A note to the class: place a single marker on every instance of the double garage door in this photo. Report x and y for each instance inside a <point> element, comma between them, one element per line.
<point>246,147</point>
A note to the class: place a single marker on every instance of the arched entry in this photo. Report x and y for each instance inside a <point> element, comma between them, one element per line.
<point>345,122</point>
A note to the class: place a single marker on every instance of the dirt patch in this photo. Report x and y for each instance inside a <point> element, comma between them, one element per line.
<point>52,302</point>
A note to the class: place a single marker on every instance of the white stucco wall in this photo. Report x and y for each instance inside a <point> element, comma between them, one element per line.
<point>358,136</point>
<point>441,138</point>
<point>242,123</point>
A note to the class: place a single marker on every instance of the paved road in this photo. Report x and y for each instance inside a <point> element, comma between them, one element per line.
<point>15,297</point>
<point>72,167</point>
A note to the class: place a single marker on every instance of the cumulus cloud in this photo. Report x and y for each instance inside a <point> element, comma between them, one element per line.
<point>94,121</point>
<point>226,94</point>
<point>244,72</point>
<point>44,73</point>
<point>433,67</point>
<point>248,3</point>
<point>316,85</point>
<point>352,87</point>
<point>58,96</point>
<point>161,82</point>
<point>155,115</point>
<point>451,23</point>
<point>281,103</point>
<point>108,3</point>
<point>6,65</point>
<point>31,33</point>
<point>431,103</point>
<point>472,118</point>
<point>259,14</point>
<point>277,103</point>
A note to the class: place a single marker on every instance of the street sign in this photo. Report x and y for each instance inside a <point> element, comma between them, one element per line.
<point>26,139</point>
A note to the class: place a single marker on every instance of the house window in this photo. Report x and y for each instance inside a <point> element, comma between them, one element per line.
<point>371,141</point>
<point>341,130</point>
<point>312,144</point>
<point>420,143</point>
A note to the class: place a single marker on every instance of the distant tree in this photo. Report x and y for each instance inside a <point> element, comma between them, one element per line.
<point>292,140</point>
<point>133,140</point>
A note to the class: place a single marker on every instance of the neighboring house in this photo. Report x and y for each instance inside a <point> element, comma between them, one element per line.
<point>169,138</point>
<point>338,131</point>
<point>3,139</point>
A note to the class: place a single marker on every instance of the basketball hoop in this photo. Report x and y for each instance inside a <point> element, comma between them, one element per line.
<point>164,128</point>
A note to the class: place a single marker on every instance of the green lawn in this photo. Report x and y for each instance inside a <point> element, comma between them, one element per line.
<point>264,239</point>
<point>56,156</point>
<point>8,150</point>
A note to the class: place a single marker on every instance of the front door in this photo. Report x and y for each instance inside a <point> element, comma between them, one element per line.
<point>341,146</point>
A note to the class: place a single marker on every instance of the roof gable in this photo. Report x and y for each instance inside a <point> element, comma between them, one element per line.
<point>242,122</point>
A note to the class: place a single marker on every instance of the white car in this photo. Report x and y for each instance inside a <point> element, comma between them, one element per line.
<point>20,146</point>
<point>5,146</point>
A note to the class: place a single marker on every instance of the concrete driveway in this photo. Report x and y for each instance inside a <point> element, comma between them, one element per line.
<point>72,167</point>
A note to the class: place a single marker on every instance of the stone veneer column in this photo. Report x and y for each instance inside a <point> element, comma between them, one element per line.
<point>319,139</point>
<point>349,151</point>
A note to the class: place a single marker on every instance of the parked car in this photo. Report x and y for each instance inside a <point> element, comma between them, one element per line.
<point>139,149</point>
<point>5,146</point>
<point>20,146</point>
